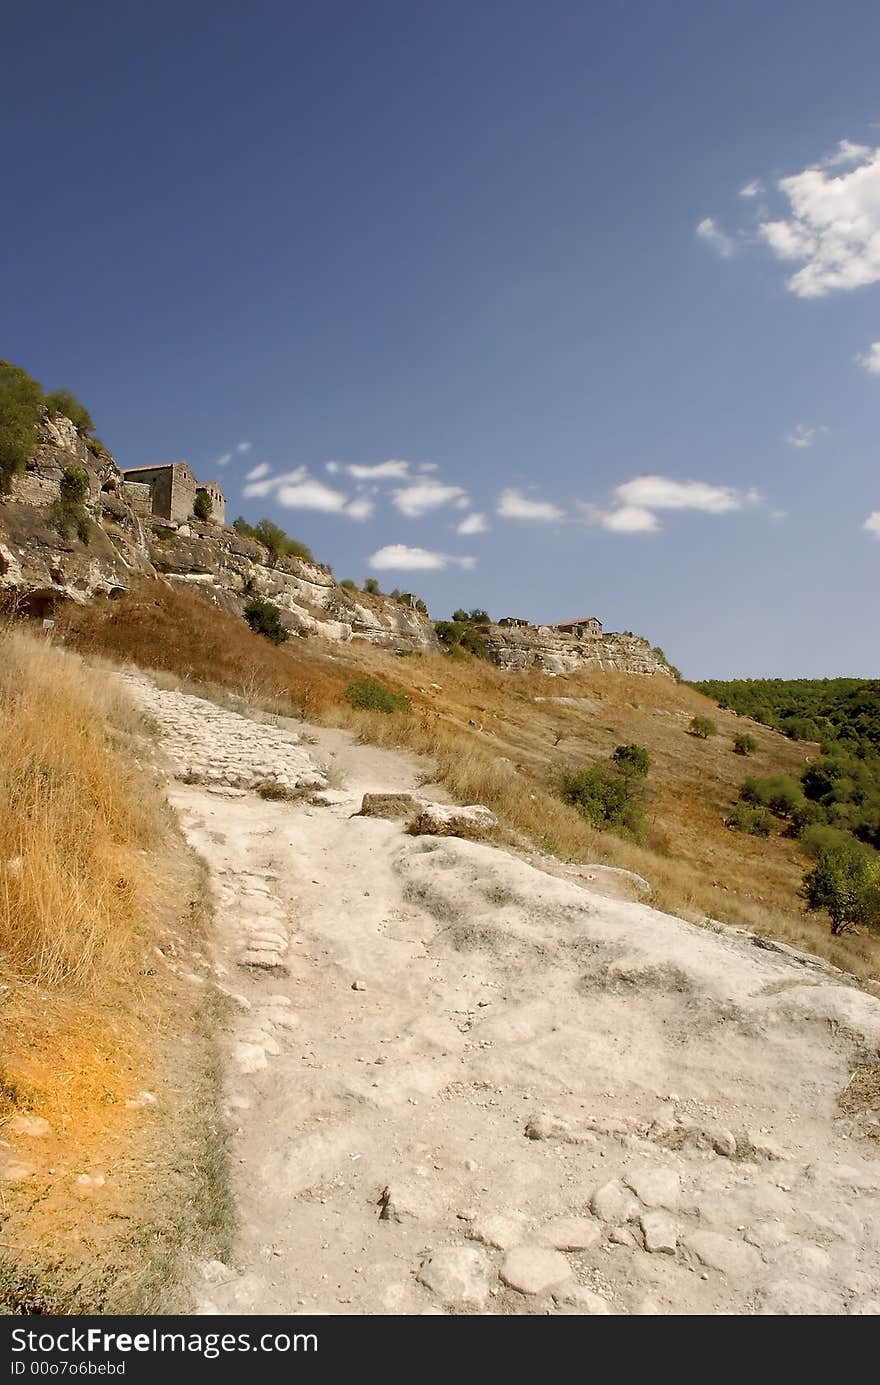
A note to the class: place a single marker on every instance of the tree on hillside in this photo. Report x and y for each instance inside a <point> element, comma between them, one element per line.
<point>372,586</point>
<point>703,728</point>
<point>632,761</point>
<point>203,505</point>
<point>264,618</point>
<point>21,407</point>
<point>846,882</point>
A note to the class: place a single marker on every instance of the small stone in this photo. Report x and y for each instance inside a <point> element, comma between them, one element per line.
<point>458,1275</point>
<point>767,1235</point>
<point>660,1233</point>
<point>534,1269</point>
<point>655,1186</point>
<point>622,1236</point>
<point>614,1203</point>
<point>723,1253</point>
<point>358,985</point>
<point>500,1232</point>
<point>723,1143</point>
<point>570,1233</point>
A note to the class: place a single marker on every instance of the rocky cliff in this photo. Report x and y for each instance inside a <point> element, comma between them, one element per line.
<point>48,556</point>
<point>52,551</point>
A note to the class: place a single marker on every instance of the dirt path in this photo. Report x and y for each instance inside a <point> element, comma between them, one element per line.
<point>458,1083</point>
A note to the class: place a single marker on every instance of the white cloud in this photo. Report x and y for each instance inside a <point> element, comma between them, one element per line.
<point>393,468</point>
<point>422,496</point>
<point>630,519</point>
<point>806,434</point>
<point>429,466</point>
<point>662,493</point>
<point>472,524</point>
<point>332,467</point>
<point>846,153</point>
<point>361,508</point>
<point>834,224</point>
<point>265,484</point>
<point>256,472</point>
<point>512,504</point>
<point>871,359</point>
<point>311,495</point>
<point>709,231</point>
<point>398,557</point>
<point>753,189</point>
<point>224,460</point>
<point>872,523</point>
<point>243,446</point>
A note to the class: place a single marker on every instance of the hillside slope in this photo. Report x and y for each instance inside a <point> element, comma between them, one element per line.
<point>497,737</point>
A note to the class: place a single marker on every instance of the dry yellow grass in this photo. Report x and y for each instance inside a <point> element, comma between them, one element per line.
<point>496,737</point>
<point>96,892</point>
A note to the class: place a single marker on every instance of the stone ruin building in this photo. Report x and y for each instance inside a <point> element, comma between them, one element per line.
<point>168,491</point>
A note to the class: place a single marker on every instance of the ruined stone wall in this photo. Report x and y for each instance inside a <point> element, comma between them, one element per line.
<point>183,493</point>
<point>138,495</point>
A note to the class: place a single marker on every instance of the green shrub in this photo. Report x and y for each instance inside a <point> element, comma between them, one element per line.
<point>65,402</point>
<point>348,584</point>
<point>819,837</point>
<point>447,631</point>
<point>21,408</point>
<point>203,506</point>
<point>603,796</point>
<point>371,585</point>
<point>273,538</point>
<point>846,882</point>
<point>632,760</point>
<point>778,792</point>
<point>744,744</point>
<point>264,618</point>
<point>455,651</point>
<point>757,821</point>
<point>703,728</point>
<point>371,695</point>
<point>460,617</point>
<point>74,485</point>
<point>473,642</point>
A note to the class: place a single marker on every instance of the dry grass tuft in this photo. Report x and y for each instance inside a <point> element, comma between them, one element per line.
<point>98,898</point>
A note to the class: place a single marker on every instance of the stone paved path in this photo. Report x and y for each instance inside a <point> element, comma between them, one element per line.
<point>459,1084</point>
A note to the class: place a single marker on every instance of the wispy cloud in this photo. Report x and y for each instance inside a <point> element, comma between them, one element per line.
<point>426,495</point>
<point>635,503</point>
<point>472,524</point>
<point>512,504</point>
<point>872,524</point>
<point>265,484</point>
<point>662,493</point>
<point>243,446</point>
<point>311,495</point>
<point>806,434</point>
<point>871,359</point>
<point>834,225</point>
<point>395,468</point>
<point>753,189</point>
<point>361,508</point>
<point>256,472</point>
<point>709,231</point>
<point>223,460</point>
<point>400,558</point>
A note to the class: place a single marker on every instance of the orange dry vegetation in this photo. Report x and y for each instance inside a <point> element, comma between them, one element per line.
<point>92,873</point>
<point>496,737</point>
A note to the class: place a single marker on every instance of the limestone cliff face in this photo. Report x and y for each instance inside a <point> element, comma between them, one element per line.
<point>47,558</point>
<point>540,647</point>
<point>44,560</point>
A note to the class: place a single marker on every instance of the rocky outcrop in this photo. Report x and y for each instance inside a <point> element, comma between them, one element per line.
<point>47,558</point>
<point>49,555</point>
<point>543,648</point>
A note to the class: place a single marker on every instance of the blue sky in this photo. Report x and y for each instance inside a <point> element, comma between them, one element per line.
<point>605,277</point>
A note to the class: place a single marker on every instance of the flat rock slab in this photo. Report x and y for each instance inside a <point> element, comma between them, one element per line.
<point>614,1203</point>
<point>655,1186</point>
<point>570,1233</point>
<point>535,1270</point>
<point>724,1253</point>
<point>498,1231</point>
<point>458,1275</point>
<point>660,1233</point>
<point>449,820</point>
<point>388,805</point>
